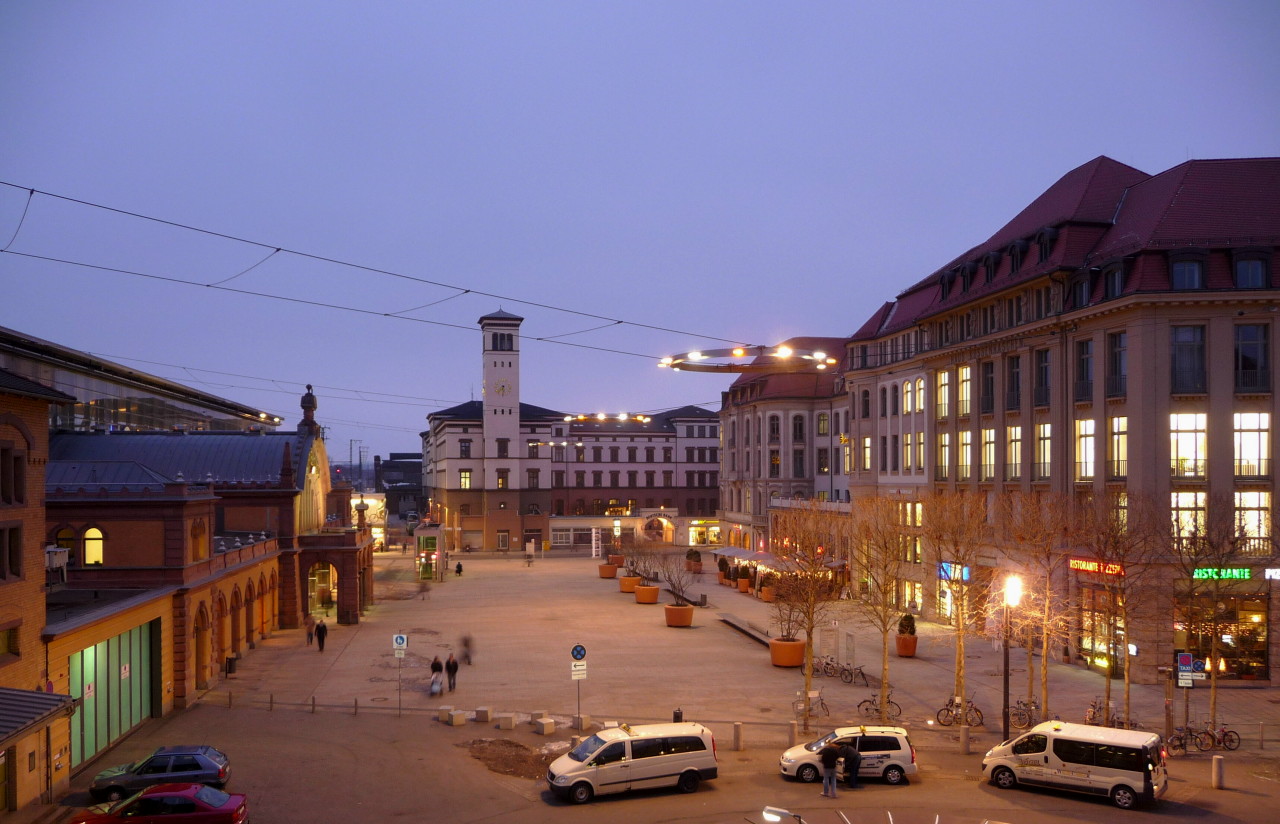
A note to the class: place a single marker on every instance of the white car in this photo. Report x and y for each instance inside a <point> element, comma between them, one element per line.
<point>886,753</point>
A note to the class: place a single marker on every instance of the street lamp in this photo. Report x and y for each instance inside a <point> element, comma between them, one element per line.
<point>777,814</point>
<point>1012,595</point>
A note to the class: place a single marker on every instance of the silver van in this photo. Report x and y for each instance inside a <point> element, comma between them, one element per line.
<point>1125,765</point>
<point>625,758</point>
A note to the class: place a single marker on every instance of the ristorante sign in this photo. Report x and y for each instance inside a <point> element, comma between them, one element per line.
<point>1095,566</point>
<point>1222,573</point>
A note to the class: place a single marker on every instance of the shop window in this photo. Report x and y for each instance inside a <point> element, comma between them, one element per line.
<point>1238,619</point>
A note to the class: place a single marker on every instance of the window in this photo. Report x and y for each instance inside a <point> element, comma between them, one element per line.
<point>1031,744</point>
<point>964,469</point>
<point>580,478</point>
<point>649,450</point>
<point>866,454</point>
<point>797,428</point>
<point>503,342</point>
<point>1187,274</point>
<point>775,429</point>
<point>631,454</point>
<point>93,546</point>
<point>1188,359</point>
<point>1113,280</point>
<point>10,555</point>
<point>965,384</point>
<point>1187,449</point>
<point>557,479</point>
<point>1251,273</point>
<point>13,481</point>
<point>579,453</point>
<point>1073,752</point>
<point>1187,510</point>
<point>1118,447</point>
<point>866,403</point>
<point>943,394</point>
<point>1084,370</point>
<point>531,480</point>
<point>1117,364</point>
<point>1080,291</point>
<point>597,478</point>
<point>1085,432</point>
<point>1044,451</point>
<point>920,451</point>
<point>884,454</point>
<point>464,448</point>
<point>1013,383</point>
<point>824,462</point>
<point>464,479</point>
<point>906,450</point>
<point>884,402</point>
<point>504,447</point>
<point>1253,444</point>
<point>893,400</point>
<point>1042,377</point>
<point>1012,453</point>
<point>504,478</point>
<point>920,394</point>
<point>775,464</point>
<point>797,463</point>
<point>893,452</point>
<point>908,397</point>
<point>988,466</point>
<point>1252,370</point>
<point>944,456</point>
<point>532,449</point>
<point>597,454</point>
<point>1253,522</point>
<point>823,423</point>
<point>1119,758</point>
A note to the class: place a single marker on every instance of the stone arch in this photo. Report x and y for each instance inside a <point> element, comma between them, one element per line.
<point>236,611</point>
<point>251,629</point>
<point>221,631</point>
<point>202,646</point>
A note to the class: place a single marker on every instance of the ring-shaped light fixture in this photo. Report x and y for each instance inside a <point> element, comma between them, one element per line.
<point>763,359</point>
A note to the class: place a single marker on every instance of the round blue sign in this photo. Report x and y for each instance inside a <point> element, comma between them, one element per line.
<point>578,652</point>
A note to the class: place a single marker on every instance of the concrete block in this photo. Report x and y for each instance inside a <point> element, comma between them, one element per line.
<point>457,718</point>
<point>581,722</point>
<point>484,714</point>
<point>544,726</point>
<point>535,715</point>
<point>442,712</point>
<point>506,721</point>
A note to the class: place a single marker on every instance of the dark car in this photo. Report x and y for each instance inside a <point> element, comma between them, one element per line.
<point>195,803</point>
<point>202,764</point>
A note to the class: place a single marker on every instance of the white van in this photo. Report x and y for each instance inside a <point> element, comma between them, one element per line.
<point>1126,765</point>
<point>625,758</point>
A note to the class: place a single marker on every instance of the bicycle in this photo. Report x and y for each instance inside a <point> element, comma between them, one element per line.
<point>1024,714</point>
<point>1177,743</point>
<point>870,708</point>
<point>1221,738</point>
<point>817,705</point>
<point>966,712</point>
<point>1096,711</point>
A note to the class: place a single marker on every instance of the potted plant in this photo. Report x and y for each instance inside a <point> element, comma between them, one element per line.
<point>693,561</point>
<point>723,565</point>
<point>609,570</point>
<point>678,579</point>
<point>907,636</point>
<point>786,649</point>
<point>744,579</point>
<point>630,576</point>
<point>767,584</point>
<point>645,563</point>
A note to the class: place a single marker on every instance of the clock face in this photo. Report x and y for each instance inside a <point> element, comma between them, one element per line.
<point>502,387</point>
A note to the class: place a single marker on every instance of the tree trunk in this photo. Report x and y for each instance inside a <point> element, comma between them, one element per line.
<point>884,676</point>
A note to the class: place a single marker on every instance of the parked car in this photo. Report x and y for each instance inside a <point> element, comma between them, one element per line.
<point>193,803</point>
<point>623,758</point>
<point>202,764</point>
<point>886,753</point>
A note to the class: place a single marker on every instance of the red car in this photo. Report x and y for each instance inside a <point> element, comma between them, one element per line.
<point>195,803</point>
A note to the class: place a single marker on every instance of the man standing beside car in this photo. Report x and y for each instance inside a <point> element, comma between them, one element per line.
<point>852,761</point>
<point>829,755</point>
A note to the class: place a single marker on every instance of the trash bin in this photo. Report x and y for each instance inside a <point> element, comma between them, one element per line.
<point>231,665</point>
<point>678,715</point>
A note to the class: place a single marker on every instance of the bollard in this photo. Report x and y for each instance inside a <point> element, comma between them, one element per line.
<point>792,728</point>
<point>1215,773</point>
<point>964,740</point>
<point>1262,736</point>
<point>228,700</point>
<point>355,706</point>
<point>737,736</point>
<point>313,705</point>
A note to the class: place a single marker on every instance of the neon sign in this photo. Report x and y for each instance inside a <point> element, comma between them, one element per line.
<point>1097,567</point>
<point>952,572</point>
<point>1222,573</point>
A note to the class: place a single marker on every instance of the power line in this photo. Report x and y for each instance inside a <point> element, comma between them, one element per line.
<point>338,262</point>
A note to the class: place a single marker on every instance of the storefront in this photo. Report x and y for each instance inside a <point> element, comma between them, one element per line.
<point>1101,636</point>
<point>1233,604</point>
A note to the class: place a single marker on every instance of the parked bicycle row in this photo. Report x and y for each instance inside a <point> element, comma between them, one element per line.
<point>828,665</point>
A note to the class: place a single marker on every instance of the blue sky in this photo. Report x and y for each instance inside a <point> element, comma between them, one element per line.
<point>722,171</point>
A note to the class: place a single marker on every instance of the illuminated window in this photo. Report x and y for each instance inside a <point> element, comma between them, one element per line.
<point>1253,522</point>
<point>464,479</point>
<point>1118,447</point>
<point>1253,444</point>
<point>1085,432</point>
<point>1188,516</point>
<point>943,394</point>
<point>964,395</point>
<point>866,454</point>
<point>920,394</point>
<point>93,544</point>
<point>823,423</point>
<point>988,467</point>
<point>1044,451</point>
<point>906,450</point>
<point>944,456</point>
<point>1252,368</point>
<point>504,478</point>
<point>1012,453</point>
<point>965,456</point>
<point>908,397</point>
<point>920,451</point>
<point>1187,447</point>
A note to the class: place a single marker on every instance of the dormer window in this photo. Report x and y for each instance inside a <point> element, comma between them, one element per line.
<point>1044,243</point>
<point>1081,289</point>
<point>1186,270</point>
<point>948,280</point>
<point>1250,270</point>
<point>1017,251</point>
<point>1113,280</point>
<point>990,263</point>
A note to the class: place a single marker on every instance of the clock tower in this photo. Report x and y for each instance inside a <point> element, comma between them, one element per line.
<point>500,348</point>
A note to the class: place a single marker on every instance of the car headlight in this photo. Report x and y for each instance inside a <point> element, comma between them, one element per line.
<point>786,760</point>
<point>560,779</point>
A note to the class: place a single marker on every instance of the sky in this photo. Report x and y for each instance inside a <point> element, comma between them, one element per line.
<point>635,179</point>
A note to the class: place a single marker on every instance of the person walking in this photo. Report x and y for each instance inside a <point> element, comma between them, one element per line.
<point>451,669</point>
<point>458,570</point>
<point>437,667</point>
<point>310,623</point>
<point>829,755</point>
<point>852,762</point>
<point>322,632</point>
<point>466,650</point>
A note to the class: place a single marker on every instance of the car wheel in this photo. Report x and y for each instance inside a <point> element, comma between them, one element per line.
<point>807,773</point>
<point>113,793</point>
<point>893,774</point>
<point>1004,778</point>
<point>688,782</point>
<point>581,793</point>
<point>1124,798</point>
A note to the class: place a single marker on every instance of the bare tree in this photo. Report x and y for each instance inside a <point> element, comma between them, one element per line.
<point>1036,526</point>
<point>956,529</point>
<point>877,556</point>
<point>806,586</point>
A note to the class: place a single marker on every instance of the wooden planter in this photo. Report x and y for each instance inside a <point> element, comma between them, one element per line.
<point>784,653</point>
<point>907,646</point>
<point>766,594</point>
<point>679,615</point>
<point>628,583</point>
<point>646,594</point>
<point>608,570</point>
<point>744,585</point>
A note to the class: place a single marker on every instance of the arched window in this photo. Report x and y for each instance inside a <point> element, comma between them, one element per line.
<point>920,394</point>
<point>908,397</point>
<point>199,541</point>
<point>866,403</point>
<point>93,546</point>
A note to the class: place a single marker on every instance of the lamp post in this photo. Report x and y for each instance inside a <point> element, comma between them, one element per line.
<point>1012,595</point>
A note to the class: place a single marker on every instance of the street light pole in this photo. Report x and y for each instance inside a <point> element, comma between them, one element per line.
<point>1012,595</point>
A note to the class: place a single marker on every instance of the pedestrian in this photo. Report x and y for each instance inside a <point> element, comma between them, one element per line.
<point>458,570</point>
<point>852,762</point>
<point>451,669</point>
<point>322,632</point>
<point>437,667</point>
<point>310,623</point>
<point>466,650</point>
<point>829,755</point>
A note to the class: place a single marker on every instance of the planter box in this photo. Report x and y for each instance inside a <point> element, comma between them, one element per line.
<point>766,594</point>
<point>617,560</point>
<point>907,645</point>
<point>647,594</point>
<point>608,571</point>
<point>744,585</point>
<point>786,653</point>
<point>679,615</point>
<point>628,583</point>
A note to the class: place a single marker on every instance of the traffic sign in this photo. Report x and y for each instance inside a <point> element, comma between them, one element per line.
<point>399,653</point>
<point>578,652</point>
<point>1198,676</point>
<point>576,666</point>
<point>1197,665</point>
<point>578,671</point>
<point>1186,683</point>
<point>399,641</point>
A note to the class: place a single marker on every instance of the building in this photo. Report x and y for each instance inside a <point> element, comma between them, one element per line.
<point>1113,342</point>
<point>501,474</point>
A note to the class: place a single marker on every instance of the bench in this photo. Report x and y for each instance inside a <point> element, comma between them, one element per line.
<point>745,627</point>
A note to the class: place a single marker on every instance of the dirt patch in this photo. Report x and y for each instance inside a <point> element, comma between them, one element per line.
<point>501,755</point>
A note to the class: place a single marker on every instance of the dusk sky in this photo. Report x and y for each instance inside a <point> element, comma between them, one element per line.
<point>635,179</point>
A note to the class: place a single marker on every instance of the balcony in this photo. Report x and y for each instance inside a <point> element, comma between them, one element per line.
<point>1013,400</point>
<point>1041,395</point>
<point>1189,469</point>
<point>1117,386</point>
<point>1084,471</point>
<point>1255,547</point>
<point>1013,472</point>
<point>1117,470</point>
<point>1253,468</point>
<point>1083,391</point>
<point>1188,382</point>
<point>1253,380</point>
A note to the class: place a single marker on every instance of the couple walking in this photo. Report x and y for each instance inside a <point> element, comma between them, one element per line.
<point>449,667</point>
<point>317,632</point>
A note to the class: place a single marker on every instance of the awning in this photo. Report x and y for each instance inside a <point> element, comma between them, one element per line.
<point>22,711</point>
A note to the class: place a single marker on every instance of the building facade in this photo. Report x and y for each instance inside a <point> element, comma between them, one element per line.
<point>503,475</point>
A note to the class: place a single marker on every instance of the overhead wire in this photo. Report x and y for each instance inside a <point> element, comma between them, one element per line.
<point>31,193</point>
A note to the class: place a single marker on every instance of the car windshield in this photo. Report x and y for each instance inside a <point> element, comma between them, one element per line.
<point>127,799</point>
<point>212,797</point>
<point>587,748</point>
<point>814,746</point>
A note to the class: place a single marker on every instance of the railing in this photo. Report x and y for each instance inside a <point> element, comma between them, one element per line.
<point>1188,381</point>
<point>1255,468</point>
<point>1256,547</point>
<point>1013,400</point>
<point>1117,386</point>
<point>1084,471</point>
<point>987,472</point>
<point>964,472</point>
<point>1041,471</point>
<point>1253,380</point>
<point>962,407</point>
<point>1117,469</point>
<point>1084,390</point>
<point>1194,468</point>
<point>987,403</point>
<point>942,409</point>
<point>1040,397</point>
<point>941,473</point>
<point>1012,471</point>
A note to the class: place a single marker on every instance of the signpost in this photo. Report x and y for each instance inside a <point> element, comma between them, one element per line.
<point>399,643</point>
<point>578,670</point>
